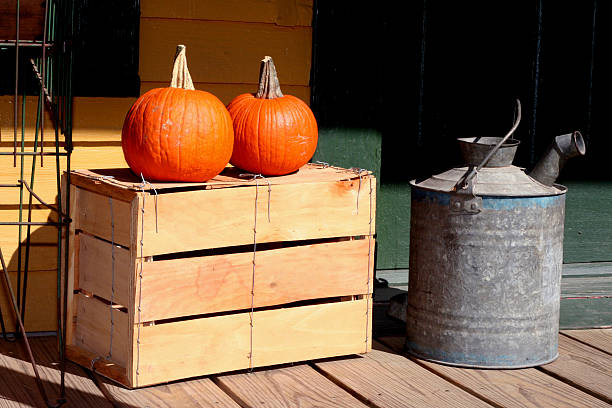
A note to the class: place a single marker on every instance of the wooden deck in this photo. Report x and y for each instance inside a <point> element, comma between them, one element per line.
<point>581,377</point>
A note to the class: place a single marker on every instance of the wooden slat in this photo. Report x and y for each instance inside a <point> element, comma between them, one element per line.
<point>297,212</point>
<point>94,217</point>
<point>224,52</point>
<point>522,388</point>
<point>297,386</point>
<point>9,234</point>
<point>193,347</point>
<point>197,393</point>
<point>219,283</point>
<point>41,301</point>
<point>96,265</point>
<point>18,387</point>
<point>588,312</point>
<point>92,117</point>
<point>281,12</point>
<point>227,92</point>
<point>386,379</point>
<point>94,332</point>
<point>597,338</point>
<point>31,20</point>
<point>102,366</point>
<point>586,286</point>
<point>584,367</point>
<point>45,178</point>
<point>107,181</point>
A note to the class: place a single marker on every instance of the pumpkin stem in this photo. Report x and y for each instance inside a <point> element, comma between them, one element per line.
<point>269,88</point>
<point>180,74</point>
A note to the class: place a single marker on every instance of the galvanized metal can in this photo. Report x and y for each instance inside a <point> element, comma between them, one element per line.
<point>486,255</point>
<point>484,288</point>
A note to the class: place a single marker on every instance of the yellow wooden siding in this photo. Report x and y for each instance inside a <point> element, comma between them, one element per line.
<point>280,12</point>
<point>226,39</point>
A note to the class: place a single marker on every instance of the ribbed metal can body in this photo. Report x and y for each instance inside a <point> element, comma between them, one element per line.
<point>484,288</point>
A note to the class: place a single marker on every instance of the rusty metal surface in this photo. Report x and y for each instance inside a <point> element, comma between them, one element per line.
<point>508,181</point>
<point>484,287</point>
<point>559,151</point>
<point>475,149</point>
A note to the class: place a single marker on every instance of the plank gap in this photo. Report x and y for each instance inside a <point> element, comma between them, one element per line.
<point>237,249</point>
<point>79,231</point>
<point>228,391</point>
<point>441,375</point>
<point>345,387</point>
<point>575,384</point>
<point>585,343</point>
<point>309,302</point>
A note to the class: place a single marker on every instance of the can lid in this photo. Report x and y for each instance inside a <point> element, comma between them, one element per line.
<point>507,181</point>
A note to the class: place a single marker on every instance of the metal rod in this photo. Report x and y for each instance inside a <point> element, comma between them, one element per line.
<point>39,383</point>
<point>49,223</point>
<point>31,154</point>
<point>22,160</point>
<point>40,199</point>
<point>472,172</point>
<point>24,43</point>
<point>43,84</point>
<point>16,84</point>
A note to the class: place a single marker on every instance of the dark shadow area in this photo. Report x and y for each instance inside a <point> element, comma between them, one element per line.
<point>17,381</point>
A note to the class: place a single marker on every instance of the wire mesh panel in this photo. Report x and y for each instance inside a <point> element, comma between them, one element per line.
<point>39,38</point>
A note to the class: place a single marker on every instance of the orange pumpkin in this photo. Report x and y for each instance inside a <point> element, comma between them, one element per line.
<point>177,133</point>
<point>274,134</point>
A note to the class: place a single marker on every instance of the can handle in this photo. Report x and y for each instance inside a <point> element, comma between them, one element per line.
<point>465,181</point>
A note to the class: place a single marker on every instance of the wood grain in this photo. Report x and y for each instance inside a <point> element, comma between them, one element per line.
<point>224,52</point>
<point>589,312</point>
<point>94,332</point>
<point>386,379</point>
<point>586,286</point>
<point>297,212</point>
<point>18,387</point>
<point>210,284</point>
<point>95,269</point>
<point>94,217</point>
<point>527,387</point>
<point>196,393</point>
<point>296,386</point>
<point>584,367</point>
<point>46,181</point>
<point>191,348</point>
<point>31,20</point>
<point>41,301</point>
<point>598,338</point>
<point>295,13</point>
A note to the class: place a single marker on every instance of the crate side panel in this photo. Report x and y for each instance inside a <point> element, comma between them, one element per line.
<point>197,347</point>
<point>104,217</point>
<point>94,333</point>
<point>96,267</point>
<point>191,348</point>
<point>310,332</point>
<point>225,217</point>
<point>211,284</point>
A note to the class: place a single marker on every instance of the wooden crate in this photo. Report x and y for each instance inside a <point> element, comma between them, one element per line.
<point>168,283</point>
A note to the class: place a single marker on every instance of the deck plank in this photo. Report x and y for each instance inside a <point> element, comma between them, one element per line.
<point>521,388</point>
<point>584,367</point>
<point>386,379</point>
<point>196,393</point>
<point>17,382</point>
<point>286,387</point>
<point>598,338</point>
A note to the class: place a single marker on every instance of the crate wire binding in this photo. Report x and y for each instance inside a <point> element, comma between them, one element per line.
<point>361,173</point>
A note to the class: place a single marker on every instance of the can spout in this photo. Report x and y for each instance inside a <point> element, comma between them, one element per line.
<point>561,149</point>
